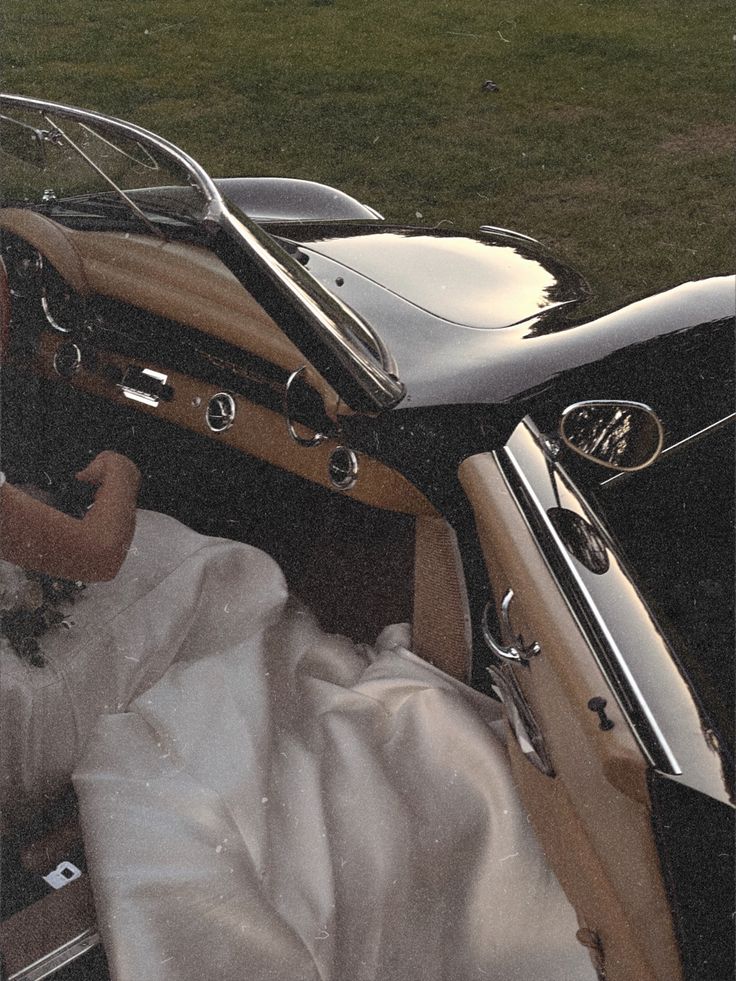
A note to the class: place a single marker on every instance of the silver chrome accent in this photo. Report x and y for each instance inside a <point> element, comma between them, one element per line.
<point>52,321</point>
<point>64,873</point>
<point>496,229</point>
<point>63,367</point>
<point>621,404</point>
<point>136,395</point>
<point>343,468</point>
<point>521,653</point>
<point>220,412</point>
<point>314,440</point>
<point>52,962</point>
<point>663,746</point>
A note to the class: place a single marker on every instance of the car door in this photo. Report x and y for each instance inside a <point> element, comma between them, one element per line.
<point>583,680</point>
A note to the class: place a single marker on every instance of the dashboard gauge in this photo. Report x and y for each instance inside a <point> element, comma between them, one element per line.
<point>220,413</point>
<point>62,306</point>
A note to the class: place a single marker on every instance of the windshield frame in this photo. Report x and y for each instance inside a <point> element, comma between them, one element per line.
<point>340,344</point>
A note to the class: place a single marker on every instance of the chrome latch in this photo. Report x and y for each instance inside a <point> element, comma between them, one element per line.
<point>518,652</point>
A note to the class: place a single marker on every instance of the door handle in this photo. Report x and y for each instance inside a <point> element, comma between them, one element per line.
<point>519,652</point>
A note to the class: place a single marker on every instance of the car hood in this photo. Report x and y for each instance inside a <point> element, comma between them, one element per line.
<point>488,281</point>
<point>489,318</point>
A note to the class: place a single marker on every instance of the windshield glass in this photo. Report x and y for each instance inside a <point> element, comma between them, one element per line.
<point>61,164</point>
<point>674,522</point>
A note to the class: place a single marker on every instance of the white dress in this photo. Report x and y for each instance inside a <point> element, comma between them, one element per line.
<point>262,801</point>
<point>282,804</point>
<point>118,639</point>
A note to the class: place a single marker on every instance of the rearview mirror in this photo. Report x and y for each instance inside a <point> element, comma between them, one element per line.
<point>617,435</point>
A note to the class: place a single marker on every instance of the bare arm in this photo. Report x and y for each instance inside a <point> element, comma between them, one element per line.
<point>40,538</point>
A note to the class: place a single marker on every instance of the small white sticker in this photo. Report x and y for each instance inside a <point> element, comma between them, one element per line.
<point>63,874</point>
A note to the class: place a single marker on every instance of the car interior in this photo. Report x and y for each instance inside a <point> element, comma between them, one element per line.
<point>150,346</point>
<point>116,341</point>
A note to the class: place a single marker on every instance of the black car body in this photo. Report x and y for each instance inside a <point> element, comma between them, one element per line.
<point>407,385</point>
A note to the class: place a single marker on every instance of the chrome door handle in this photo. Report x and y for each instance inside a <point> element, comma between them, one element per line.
<point>518,652</point>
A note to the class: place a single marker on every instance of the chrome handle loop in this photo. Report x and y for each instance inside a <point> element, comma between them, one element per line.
<point>314,440</point>
<point>518,654</point>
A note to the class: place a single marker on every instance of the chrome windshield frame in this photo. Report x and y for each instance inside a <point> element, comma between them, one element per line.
<point>339,339</point>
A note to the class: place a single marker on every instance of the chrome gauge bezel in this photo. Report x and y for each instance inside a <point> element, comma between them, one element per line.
<point>343,468</point>
<point>226,415</point>
<point>66,370</point>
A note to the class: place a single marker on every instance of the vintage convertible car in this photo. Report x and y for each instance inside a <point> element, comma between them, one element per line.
<point>547,494</point>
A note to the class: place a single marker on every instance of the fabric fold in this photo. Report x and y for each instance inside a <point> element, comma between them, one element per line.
<point>284,804</point>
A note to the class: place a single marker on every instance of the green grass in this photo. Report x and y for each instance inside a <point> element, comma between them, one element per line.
<point>611,139</point>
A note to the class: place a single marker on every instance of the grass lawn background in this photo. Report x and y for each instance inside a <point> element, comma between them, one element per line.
<point>610,140</point>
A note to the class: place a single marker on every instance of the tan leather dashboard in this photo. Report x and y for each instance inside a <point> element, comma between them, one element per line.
<point>182,282</point>
<point>189,285</point>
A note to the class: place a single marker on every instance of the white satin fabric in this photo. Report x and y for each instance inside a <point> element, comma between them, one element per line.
<point>284,805</point>
<point>117,640</point>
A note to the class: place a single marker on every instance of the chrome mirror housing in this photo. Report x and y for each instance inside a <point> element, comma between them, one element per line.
<point>620,435</point>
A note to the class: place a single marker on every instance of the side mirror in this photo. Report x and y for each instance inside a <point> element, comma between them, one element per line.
<point>617,435</point>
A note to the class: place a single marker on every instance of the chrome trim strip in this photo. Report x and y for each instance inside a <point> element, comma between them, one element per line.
<point>325,313</point>
<point>52,962</point>
<point>490,229</point>
<point>700,434</point>
<point>673,765</point>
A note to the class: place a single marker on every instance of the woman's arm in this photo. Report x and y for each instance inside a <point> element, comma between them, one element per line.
<point>40,538</point>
